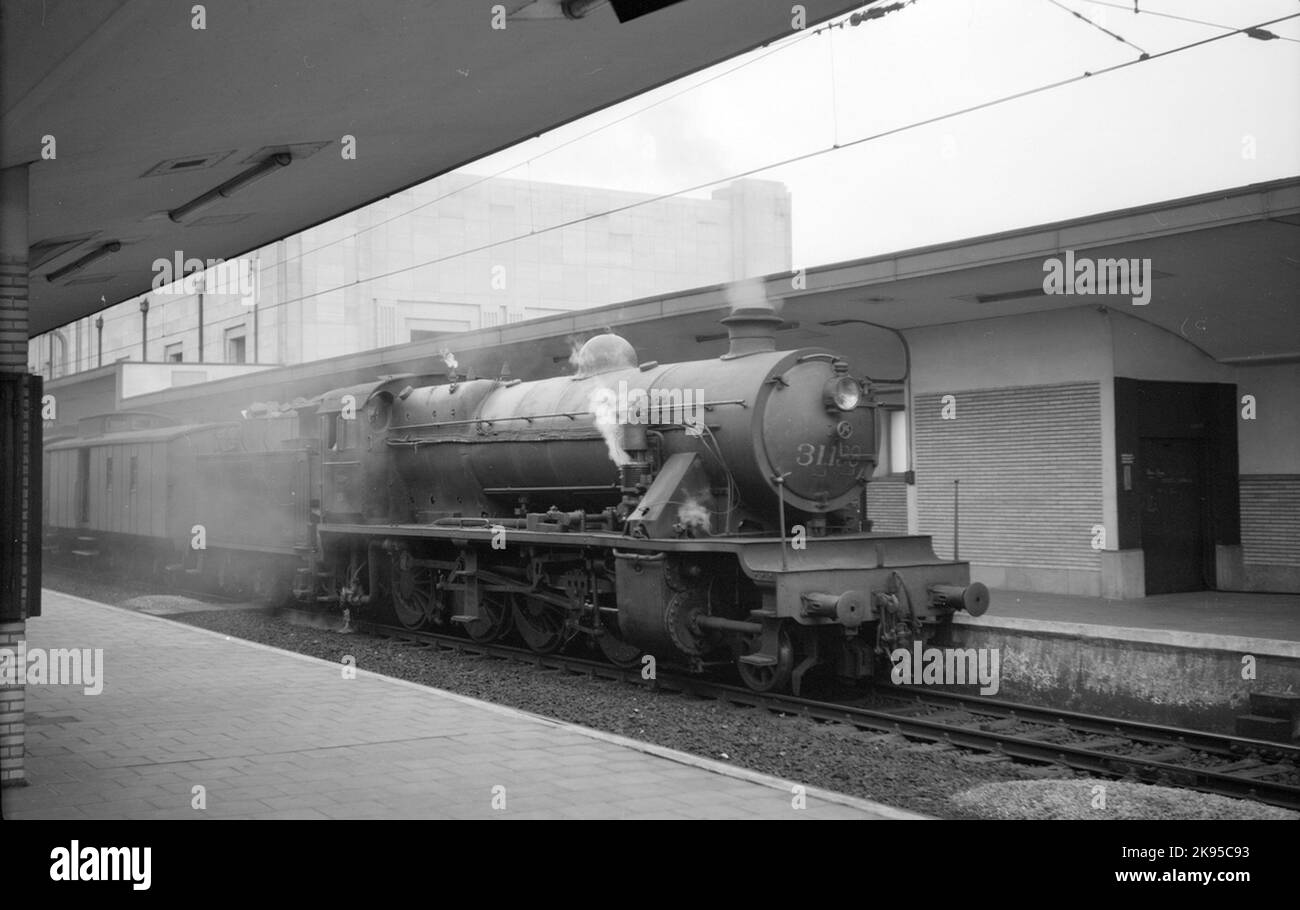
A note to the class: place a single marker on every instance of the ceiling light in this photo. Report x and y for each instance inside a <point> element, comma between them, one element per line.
<point>576,9</point>
<point>99,253</point>
<point>627,10</point>
<point>231,186</point>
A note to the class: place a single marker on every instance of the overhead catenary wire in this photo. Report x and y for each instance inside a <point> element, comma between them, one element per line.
<point>1101,28</point>
<point>805,156</point>
<point>1175,17</point>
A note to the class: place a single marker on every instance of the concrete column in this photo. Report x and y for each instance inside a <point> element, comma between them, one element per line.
<point>759,227</point>
<point>13,360</point>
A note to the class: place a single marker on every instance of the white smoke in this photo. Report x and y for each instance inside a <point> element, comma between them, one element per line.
<point>603,403</point>
<point>693,516</point>
<point>575,353</point>
<point>750,293</point>
<point>319,621</point>
<point>449,359</point>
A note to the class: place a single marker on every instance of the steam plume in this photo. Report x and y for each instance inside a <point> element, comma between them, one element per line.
<point>604,404</point>
<point>692,516</point>
<point>750,293</point>
<point>575,352</point>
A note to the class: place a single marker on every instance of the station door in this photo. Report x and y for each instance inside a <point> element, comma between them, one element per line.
<point>1174,515</point>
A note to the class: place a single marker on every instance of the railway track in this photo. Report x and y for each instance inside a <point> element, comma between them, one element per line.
<point>156,587</point>
<point>1108,747</point>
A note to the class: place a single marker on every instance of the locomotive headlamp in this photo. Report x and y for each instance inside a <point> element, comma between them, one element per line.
<point>842,393</point>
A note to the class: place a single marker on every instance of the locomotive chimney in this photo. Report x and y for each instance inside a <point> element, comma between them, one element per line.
<point>752,330</point>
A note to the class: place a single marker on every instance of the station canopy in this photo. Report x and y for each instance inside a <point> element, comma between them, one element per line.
<point>129,112</point>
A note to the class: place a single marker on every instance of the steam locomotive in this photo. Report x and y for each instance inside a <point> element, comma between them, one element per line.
<point>709,514</point>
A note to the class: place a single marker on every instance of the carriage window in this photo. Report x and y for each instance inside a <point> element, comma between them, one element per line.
<point>135,471</point>
<point>108,472</point>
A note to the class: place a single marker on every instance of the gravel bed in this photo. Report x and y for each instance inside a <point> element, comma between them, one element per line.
<point>103,588</point>
<point>1077,799</point>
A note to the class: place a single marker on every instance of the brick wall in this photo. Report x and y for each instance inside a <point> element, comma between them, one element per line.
<point>12,705</point>
<point>13,315</point>
<point>13,270</point>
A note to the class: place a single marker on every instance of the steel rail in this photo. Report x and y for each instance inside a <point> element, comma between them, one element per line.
<point>1139,731</point>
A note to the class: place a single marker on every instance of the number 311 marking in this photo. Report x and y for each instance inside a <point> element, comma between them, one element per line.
<point>829,456</point>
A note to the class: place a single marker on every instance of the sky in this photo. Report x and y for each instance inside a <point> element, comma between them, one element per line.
<point>1221,115</point>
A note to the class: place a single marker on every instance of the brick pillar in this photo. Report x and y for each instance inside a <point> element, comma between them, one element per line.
<point>13,269</point>
<point>13,361</point>
<point>12,706</point>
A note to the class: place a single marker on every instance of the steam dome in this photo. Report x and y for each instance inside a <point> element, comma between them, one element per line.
<point>603,353</point>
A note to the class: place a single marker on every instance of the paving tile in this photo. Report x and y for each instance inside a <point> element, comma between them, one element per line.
<point>240,808</point>
<point>274,736</point>
<point>296,814</point>
<point>119,809</point>
<point>47,812</point>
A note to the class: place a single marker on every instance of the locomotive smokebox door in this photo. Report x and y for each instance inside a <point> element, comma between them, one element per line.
<point>825,445</point>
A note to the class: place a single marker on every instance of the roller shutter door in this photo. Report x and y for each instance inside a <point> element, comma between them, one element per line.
<point>1270,519</point>
<point>1029,460</point>
<point>887,505</point>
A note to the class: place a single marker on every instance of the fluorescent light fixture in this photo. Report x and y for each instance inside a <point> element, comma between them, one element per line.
<point>99,253</point>
<point>231,186</point>
<point>627,10</point>
<point>576,9</point>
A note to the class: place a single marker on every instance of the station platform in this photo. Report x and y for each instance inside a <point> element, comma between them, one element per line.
<point>271,734</point>
<point>1205,619</point>
<point>1189,659</point>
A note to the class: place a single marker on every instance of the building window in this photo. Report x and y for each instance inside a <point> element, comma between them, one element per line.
<point>892,453</point>
<point>236,341</point>
<point>174,353</point>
